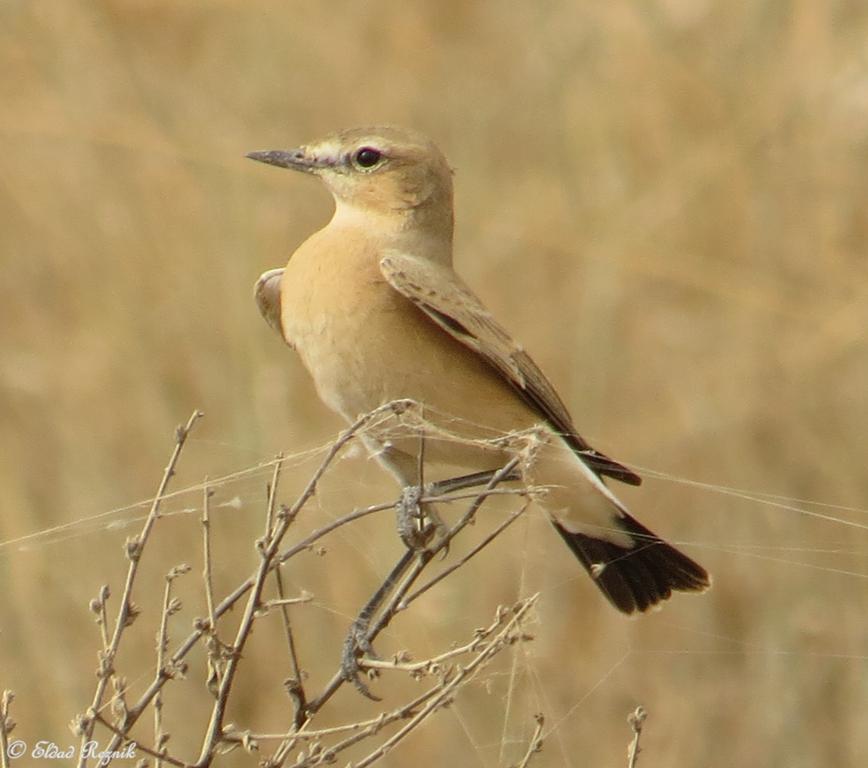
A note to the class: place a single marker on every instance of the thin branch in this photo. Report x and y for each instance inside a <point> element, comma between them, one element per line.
<point>272,494</point>
<point>295,685</point>
<point>134,549</point>
<point>207,493</point>
<point>224,661</point>
<point>502,474</point>
<point>636,719</point>
<point>229,602</point>
<point>123,738</point>
<point>98,606</point>
<point>362,729</point>
<point>420,457</point>
<point>419,565</point>
<point>455,566</point>
<point>435,698</point>
<point>170,606</point>
<point>203,626</point>
<point>215,728</point>
<point>436,664</point>
<point>268,552</point>
<point>425,557</point>
<point>305,597</point>
<point>460,678</point>
<point>6,726</point>
<point>535,745</point>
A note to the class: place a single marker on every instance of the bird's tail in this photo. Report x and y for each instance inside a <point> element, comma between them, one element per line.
<point>638,577</point>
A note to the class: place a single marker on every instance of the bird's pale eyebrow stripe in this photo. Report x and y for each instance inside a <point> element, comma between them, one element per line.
<point>328,155</point>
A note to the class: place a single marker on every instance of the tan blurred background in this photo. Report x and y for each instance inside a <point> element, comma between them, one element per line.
<point>666,201</point>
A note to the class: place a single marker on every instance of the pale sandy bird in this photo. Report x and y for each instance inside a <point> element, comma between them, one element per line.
<point>373,307</point>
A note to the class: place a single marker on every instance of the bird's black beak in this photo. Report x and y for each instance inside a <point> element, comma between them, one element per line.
<point>297,159</point>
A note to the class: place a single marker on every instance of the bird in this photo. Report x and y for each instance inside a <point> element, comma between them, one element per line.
<point>374,308</point>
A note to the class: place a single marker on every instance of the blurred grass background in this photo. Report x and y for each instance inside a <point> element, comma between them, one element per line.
<point>666,201</point>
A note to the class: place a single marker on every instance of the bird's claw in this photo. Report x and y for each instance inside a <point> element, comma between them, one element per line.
<point>418,524</point>
<point>357,645</point>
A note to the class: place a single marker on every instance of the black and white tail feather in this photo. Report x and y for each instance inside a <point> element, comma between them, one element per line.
<point>639,577</point>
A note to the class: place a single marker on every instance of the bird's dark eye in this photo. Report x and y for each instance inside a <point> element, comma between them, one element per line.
<point>367,157</point>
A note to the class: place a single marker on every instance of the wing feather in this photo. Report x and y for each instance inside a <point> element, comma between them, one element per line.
<point>266,292</point>
<point>443,297</point>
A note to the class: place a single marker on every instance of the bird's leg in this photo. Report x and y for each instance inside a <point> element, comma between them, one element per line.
<point>419,524</point>
<point>473,480</point>
<point>416,521</point>
<point>357,642</point>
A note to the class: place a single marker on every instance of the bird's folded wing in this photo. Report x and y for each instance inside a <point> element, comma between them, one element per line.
<point>267,295</point>
<point>444,298</point>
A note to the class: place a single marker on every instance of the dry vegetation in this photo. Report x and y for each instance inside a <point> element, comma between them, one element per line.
<point>126,719</point>
<point>666,202</point>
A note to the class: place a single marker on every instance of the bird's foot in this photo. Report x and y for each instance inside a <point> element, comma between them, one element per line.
<point>419,525</point>
<point>357,645</point>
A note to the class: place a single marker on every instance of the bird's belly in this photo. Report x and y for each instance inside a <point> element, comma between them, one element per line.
<point>367,356</point>
<point>365,345</point>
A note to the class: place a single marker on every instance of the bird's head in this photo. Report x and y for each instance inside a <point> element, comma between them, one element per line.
<point>383,170</point>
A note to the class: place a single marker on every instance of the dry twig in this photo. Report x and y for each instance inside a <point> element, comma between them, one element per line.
<point>127,611</point>
<point>6,726</point>
<point>535,744</point>
<point>448,671</point>
<point>636,719</point>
